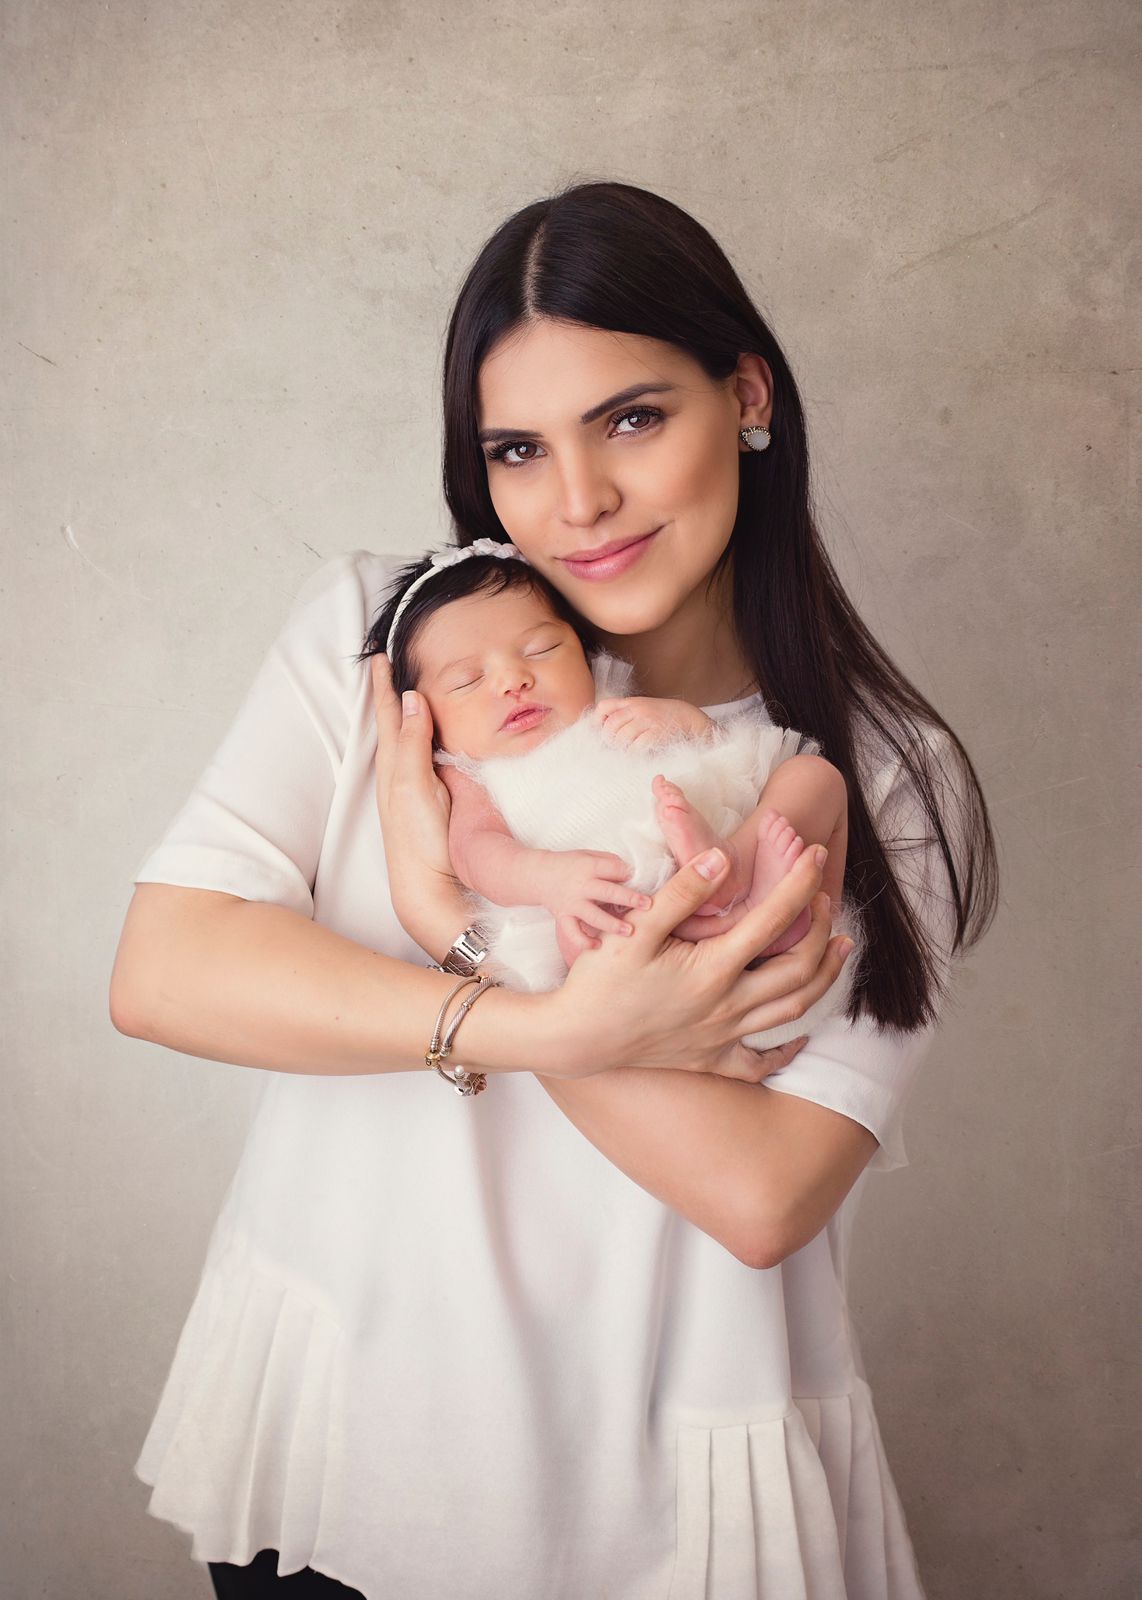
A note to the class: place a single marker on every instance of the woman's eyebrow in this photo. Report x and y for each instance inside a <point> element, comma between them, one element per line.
<point>624,397</point>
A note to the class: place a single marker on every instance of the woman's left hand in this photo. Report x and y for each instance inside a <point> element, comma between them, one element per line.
<point>414,807</point>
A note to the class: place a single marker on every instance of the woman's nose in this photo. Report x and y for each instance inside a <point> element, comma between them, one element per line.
<point>585,491</point>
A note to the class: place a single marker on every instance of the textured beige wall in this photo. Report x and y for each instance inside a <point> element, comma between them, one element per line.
<point>235,229</point>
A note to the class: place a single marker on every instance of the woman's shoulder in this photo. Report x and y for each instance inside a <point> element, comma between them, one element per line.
<point>355,577</point>
<point>318,645</point>
<point>333,609</point>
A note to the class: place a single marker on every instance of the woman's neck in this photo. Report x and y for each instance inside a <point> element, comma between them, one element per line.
<point>693,656</point>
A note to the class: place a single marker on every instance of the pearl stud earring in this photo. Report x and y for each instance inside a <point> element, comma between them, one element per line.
<point>757,437</point>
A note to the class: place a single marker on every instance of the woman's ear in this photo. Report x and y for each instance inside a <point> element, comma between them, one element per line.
<point>753,386</point>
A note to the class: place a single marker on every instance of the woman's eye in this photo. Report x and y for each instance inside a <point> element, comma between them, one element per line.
<point>510,449</point>
<point>648,415</point>
<point>512,452</point>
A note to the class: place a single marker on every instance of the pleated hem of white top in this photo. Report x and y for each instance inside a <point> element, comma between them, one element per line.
<point>236,1452</point>
<point>799,1506</point>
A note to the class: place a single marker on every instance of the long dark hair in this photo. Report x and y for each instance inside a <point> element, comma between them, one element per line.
<point>610,255</point>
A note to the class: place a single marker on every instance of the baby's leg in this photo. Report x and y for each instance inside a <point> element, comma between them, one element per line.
<point>804,802</point>
<point>810,793</point>
<point>687,832</point>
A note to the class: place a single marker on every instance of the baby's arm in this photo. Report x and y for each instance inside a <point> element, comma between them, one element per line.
<point>490,860</point>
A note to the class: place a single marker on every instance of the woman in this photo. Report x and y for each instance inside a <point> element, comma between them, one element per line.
<point>443,1345</point>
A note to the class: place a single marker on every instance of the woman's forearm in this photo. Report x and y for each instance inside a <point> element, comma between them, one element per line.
<point>760,1172</point>
<point>693,1140</point>
<point>260,985</point>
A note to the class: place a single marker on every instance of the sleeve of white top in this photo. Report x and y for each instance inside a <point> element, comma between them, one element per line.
<point>865,1072</point>
<point>254,822</point>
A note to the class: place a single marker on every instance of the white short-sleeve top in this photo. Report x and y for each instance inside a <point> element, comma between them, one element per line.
<point>441,1348</point>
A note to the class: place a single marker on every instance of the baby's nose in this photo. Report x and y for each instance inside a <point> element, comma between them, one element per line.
<point>518,677</point>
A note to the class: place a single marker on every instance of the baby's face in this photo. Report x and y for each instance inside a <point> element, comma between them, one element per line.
<point>500,673</point>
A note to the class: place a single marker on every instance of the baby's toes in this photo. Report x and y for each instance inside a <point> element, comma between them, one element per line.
<point>792,844</point>
<point>670,794</point>
<point>780,834</point>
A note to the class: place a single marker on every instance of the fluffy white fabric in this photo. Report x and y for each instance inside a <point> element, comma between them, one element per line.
<point>581,790</point>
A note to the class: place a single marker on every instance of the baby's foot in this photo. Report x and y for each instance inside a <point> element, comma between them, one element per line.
<point>778,846</point>
<point>687,832</point>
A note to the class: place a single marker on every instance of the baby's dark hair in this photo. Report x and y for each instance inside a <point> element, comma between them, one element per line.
<point>474,575</point>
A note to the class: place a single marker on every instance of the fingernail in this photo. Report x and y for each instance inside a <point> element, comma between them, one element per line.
<point>820,856</point>
<point>410,705</point>
<point>709,865</point>
<point>846,948</point>
<point>626,928</point>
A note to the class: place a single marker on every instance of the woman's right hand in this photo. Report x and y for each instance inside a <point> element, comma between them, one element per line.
<point>413,806</point>
<point>651,1000</point>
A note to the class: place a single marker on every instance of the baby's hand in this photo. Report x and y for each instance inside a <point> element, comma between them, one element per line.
<point>645,721</point>
<point>587,884</point>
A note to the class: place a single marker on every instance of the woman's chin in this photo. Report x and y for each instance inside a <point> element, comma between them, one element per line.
<point>630,614</point>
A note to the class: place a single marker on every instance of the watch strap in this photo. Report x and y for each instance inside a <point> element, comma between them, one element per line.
<point>465,954</point>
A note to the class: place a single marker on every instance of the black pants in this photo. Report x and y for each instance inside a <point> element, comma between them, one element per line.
<point>260,1581</point>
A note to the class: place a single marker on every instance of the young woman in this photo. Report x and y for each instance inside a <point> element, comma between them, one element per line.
<point>584,1334</point>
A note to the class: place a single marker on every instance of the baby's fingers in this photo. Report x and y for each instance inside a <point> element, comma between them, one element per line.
<point>597,916</point>
<point>575,935</point>
<point>609,866</point>
<point>617,894</point>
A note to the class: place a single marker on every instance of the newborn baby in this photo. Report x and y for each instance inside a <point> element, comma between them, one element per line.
<point>573,798</point>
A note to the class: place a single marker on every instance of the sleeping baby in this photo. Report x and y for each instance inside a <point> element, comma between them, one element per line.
<point>573,797</point>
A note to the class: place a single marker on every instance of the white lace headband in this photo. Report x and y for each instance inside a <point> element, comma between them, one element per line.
<point>448,557</point>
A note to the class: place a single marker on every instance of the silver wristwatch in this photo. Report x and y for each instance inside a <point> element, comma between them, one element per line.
<point>465,954</point>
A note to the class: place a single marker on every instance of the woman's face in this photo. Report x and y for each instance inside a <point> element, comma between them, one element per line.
<point>501,673</point>
<point>612,462</point>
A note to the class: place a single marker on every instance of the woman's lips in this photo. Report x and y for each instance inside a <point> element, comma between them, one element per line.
<point>526,717</point>
<point>612,561</point>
